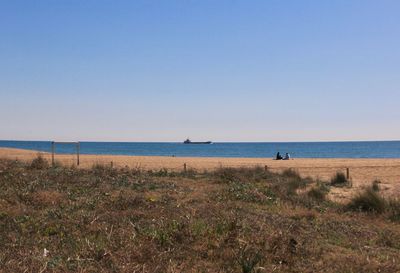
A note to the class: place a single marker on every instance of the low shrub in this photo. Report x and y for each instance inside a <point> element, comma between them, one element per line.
<point>227,174</point>
<point>287,185</point>
<point>339,180</point>
<point>394,209</point>
<point>291,173</point>
<point>368,201</point>
<point>161,173</point>
<point>317,193</point>
<point>39,163</point>
<point>101,169</point>
<point>293,185</point>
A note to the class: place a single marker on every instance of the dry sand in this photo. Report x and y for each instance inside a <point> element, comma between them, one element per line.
<point>362,171</point>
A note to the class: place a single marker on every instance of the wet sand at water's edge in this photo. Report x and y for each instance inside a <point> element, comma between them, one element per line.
<point>362,171</point>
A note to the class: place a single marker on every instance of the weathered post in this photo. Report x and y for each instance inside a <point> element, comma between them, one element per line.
<point>347,173</point>
<point>52,152</point>
<point>184,167</point>
<point>77,153</point>
<point>266,168</point>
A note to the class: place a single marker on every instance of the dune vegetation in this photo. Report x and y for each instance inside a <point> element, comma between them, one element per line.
<point>103,219</point>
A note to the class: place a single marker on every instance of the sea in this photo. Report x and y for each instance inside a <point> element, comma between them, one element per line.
<point>351,149</point>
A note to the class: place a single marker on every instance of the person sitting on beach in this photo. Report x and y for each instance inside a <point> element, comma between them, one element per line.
<point>278,156</point>
<point>287,156</point>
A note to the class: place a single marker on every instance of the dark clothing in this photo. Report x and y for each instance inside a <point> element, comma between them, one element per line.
<point>278,156</point>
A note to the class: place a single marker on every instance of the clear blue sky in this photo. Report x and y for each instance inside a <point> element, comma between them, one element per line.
<point>220,70</point>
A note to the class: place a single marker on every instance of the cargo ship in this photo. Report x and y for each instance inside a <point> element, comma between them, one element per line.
<point>188,141</point>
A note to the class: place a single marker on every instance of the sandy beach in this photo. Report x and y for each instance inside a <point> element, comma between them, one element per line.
<point>362,171</point>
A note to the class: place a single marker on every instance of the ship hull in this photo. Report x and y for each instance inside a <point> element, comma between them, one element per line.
<point>205,142</point>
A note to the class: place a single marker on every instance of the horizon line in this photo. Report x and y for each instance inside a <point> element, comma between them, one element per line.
<point>298,141</point>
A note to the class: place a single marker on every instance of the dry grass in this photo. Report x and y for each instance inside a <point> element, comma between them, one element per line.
<point>362,171</point>
<point>231,220</point>
<point>339,180</point>
<point>368,201</point>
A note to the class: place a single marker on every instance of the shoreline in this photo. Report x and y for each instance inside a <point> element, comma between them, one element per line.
<point>29,154</point>
<point>20,151</point>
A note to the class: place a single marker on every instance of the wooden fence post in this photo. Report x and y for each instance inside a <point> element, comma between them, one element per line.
<point>266,168</point>
<point>184,167</point>
<point>52,152</point>
<point>347,173</point>
<point>77,153</point>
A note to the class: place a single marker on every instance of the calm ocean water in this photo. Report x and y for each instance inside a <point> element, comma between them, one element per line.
<point>359,149</point>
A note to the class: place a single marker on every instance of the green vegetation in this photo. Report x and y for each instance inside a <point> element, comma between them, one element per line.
<point>39,163</point>
<point>393,208</point>
<point>318,192</point>
<point>371,201</point>
<point>339,180</point>
<point>104,219</point>
<point>368,201</point>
